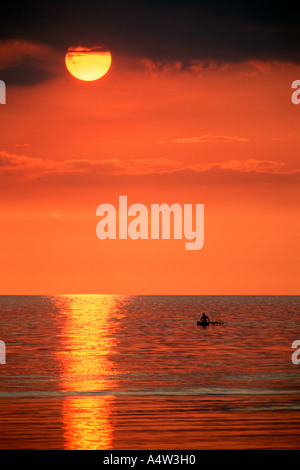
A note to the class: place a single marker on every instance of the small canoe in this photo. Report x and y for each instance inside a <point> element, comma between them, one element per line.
<point>201,323</point>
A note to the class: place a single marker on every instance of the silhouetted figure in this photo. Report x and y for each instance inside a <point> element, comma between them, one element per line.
<point>204,319</point>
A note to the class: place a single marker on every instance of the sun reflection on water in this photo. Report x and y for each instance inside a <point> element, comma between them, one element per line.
<point>87,371</point>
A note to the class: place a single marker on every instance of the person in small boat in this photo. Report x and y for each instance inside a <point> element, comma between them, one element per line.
<point>204,318</point>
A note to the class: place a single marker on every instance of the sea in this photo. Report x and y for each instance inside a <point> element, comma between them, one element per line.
<point>86,372</point>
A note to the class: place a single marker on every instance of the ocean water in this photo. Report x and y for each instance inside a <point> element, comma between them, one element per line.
<point>136,372</point>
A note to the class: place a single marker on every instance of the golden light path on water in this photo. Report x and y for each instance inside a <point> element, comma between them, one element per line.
<point>85,366</point>
<point>110,372</point>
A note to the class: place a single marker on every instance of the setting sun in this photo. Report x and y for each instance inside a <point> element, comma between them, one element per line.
<point>88,64</point>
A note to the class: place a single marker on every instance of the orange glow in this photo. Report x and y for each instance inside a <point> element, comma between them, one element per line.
<point>87,64</point>
<point>86,368</point>
<point>225,138</point>
<point>87,423</point>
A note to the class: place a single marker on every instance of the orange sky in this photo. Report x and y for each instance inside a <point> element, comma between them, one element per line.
<point>226,136</point>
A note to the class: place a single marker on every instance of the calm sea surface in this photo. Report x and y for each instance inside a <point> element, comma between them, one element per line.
<point>136,372</point>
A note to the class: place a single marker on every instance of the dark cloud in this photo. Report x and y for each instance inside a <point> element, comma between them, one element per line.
<point>161,30</point>
<point>24,75</point>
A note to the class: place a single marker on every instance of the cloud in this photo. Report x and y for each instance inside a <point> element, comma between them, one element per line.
<point>209,138</point>
<point>14,51</point>
<point>161,67</point>
<point>152,165</point>
<point>11,162</point>
<point>21,168</point>
<point>55,215</point>
<point>25,75</point>
<point>209,66</point>
<point>252,165</point>
<point>194,66</point>
<point>25,144</point>
<point>168,31</point>
<point>25,63</point>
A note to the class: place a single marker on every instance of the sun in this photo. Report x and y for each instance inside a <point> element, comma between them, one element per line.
<point>88,64</point>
